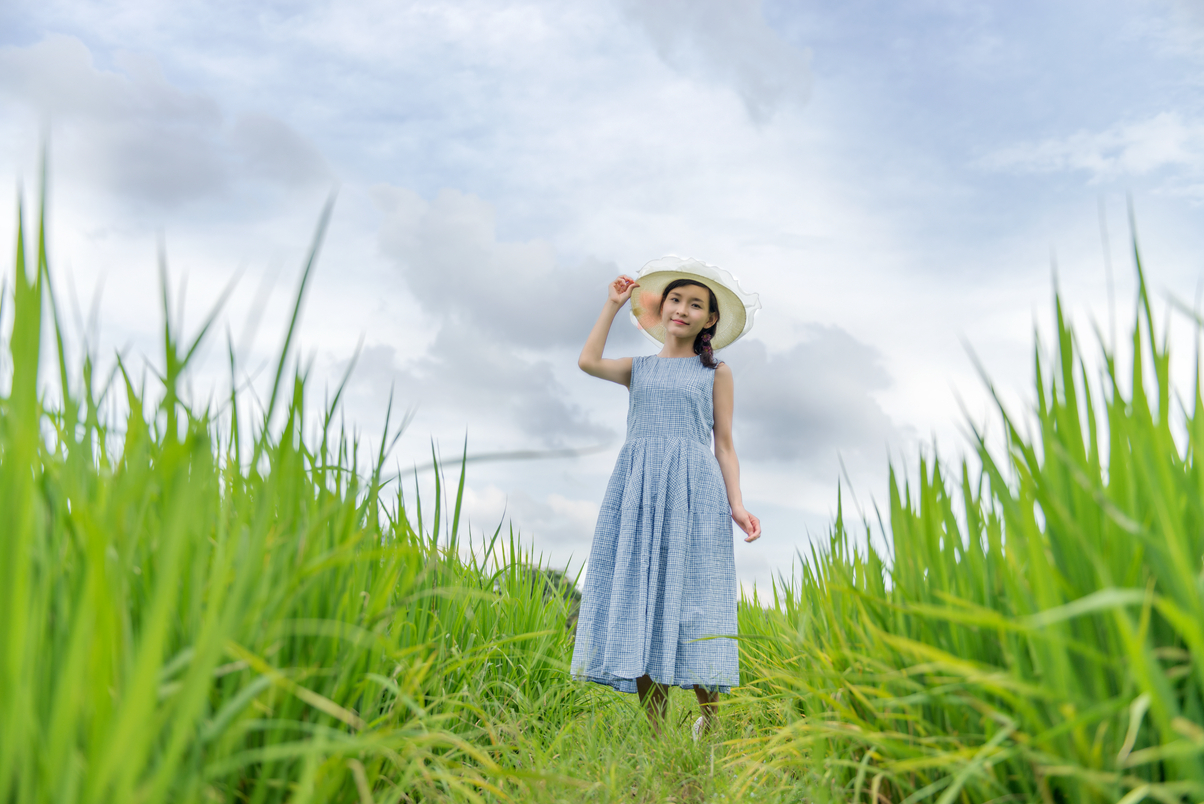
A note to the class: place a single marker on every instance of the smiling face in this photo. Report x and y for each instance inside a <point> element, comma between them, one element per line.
<point>686,311</point>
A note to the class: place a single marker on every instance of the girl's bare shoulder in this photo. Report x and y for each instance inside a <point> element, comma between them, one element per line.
<point>723,383</point>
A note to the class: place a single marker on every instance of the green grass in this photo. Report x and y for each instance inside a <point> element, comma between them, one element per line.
<point>180,624</point>
<point>221,604</point>
<point>1037,633</point>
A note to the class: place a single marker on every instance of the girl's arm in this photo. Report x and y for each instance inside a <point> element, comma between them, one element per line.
<point>591,360</point>
<point>725,452</point>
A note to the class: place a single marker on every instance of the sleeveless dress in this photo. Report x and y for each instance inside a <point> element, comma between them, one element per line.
<point>661,573</point>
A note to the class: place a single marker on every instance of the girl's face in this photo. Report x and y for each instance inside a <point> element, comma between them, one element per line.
<point>685,311</point>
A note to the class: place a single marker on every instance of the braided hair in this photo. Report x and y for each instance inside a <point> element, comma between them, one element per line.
<point>702,341</point>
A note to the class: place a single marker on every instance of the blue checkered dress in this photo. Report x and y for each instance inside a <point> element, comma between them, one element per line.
<point>661,572</point>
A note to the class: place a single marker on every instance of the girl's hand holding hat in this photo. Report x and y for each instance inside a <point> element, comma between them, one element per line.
<point>621,288</point>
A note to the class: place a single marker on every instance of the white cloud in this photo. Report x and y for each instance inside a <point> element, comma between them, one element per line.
<point>583,513</point>
<point>485,507</point>
<point>727,41</point>
<point>449,254</point>
<point>470,381</point>
<point>134,132</point>
<point>507,316</point>
<point>811,402</point>
<point>1130,149</point>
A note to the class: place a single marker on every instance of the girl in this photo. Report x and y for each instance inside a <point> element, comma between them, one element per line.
<point>661,574</point>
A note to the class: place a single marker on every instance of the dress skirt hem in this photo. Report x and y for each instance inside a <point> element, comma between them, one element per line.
<point>628,684</point>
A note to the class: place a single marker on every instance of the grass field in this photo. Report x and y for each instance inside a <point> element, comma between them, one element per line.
<point>197,606</point>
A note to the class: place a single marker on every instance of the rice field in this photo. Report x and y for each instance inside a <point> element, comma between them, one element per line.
<point>223,604</point>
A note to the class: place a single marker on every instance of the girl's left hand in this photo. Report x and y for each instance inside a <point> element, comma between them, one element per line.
<point>748,523</point>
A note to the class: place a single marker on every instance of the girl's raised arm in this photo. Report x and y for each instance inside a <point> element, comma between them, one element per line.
<point>591,360</point>
<point>725,452</point>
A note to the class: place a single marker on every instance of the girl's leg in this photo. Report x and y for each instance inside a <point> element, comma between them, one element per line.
<point>655,700</point>
<point>707,701</point>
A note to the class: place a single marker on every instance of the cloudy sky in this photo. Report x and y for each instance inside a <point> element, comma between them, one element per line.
<point>894,179</point>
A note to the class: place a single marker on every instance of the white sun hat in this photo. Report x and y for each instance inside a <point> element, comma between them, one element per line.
<point>736,308</point>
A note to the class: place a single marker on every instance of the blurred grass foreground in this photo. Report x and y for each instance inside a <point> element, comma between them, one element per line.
<point>219,604</point>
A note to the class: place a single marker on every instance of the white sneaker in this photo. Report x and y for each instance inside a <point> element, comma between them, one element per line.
<point>696,731</point>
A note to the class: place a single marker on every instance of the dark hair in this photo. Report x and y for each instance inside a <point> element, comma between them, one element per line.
<point>702,341</point>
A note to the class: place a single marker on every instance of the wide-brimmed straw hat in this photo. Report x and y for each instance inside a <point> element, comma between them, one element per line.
<point>736,308</point>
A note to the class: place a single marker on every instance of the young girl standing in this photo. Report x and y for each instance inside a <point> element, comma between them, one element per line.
<point>661,573</point>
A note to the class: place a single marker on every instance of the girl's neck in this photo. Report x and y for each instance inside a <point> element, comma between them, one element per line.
<point>677,347</point>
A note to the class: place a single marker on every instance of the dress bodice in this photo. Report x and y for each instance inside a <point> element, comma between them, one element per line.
<point>672,398</point>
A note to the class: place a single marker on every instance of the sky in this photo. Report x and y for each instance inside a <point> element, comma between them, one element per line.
<point>903,183</point>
